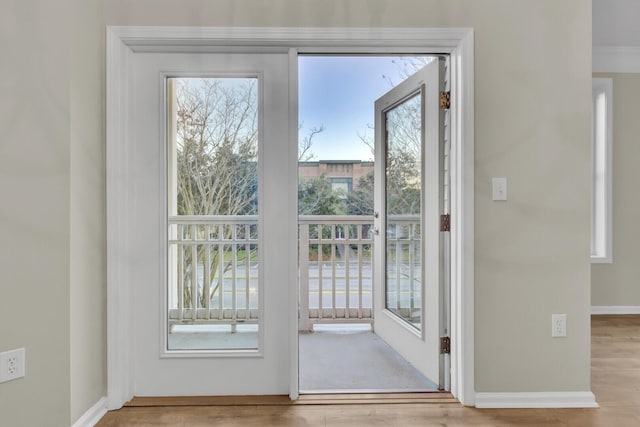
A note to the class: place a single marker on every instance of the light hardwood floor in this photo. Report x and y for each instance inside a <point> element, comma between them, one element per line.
<point>615,371</point>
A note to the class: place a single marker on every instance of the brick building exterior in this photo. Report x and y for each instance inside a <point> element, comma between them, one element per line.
<point>343,174</point>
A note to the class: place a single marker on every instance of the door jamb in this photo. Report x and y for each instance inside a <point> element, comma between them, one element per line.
<point>122,42</point>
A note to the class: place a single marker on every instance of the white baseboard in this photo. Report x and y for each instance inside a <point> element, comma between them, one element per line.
<point>555,399</point>
<point>93,414</point>
<point>615,309</point>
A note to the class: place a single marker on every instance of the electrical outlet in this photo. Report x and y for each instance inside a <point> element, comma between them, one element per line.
<point>12,365</point>
<point>558,325</point>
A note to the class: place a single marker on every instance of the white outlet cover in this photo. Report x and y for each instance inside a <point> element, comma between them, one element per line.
<point>12,365</point>
<point>558,325</point>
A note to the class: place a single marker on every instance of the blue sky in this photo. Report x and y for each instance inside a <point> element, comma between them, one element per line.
<point>338,93</point>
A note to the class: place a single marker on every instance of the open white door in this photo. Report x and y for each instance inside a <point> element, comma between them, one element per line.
<point>407,288</point>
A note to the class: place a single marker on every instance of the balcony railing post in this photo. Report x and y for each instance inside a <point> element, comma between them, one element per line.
<point>333,271</point>
<point>206,285</point>
<point>347,278</point>
<point>180,286</point>
<point>304,324</point>
<point>194,275</point>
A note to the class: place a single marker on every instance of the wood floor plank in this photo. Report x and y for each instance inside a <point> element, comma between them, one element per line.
<point>615,382</point>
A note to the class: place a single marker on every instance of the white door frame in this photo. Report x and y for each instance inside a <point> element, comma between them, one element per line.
<point>122,42</point>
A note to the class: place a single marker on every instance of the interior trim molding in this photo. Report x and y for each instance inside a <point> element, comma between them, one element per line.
<point>120,386</point>
<point>545,399</point>
<point>615,309</point>
<point>93,414</point>
<point>181,39</point>
<point>616,59</point>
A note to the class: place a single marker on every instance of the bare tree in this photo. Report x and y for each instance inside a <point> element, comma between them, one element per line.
<point>216,150</point>
<point>304,144</point>
<point>406,66</point>
<point>217,146</point>
<point>217,153</point>
<point>403,150</point>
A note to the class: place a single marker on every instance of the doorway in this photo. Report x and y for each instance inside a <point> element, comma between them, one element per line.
<point>125,46</point>
<point>371,157</point>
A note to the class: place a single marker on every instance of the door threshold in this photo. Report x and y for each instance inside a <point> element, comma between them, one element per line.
<point>342,391</point>
<point>387,397</point>
<point>306,399</point>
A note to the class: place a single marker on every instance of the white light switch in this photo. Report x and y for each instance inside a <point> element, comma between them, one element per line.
<point>499,188</point>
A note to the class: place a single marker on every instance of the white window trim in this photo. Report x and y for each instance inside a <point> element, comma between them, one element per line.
<point>601,174</point>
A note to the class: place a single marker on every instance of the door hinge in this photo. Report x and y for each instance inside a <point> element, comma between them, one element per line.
<point>445,345</point>
<point>445,222</point>
<point>445,100</point>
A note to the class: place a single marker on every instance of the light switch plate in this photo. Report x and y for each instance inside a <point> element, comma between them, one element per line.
<point>499,187</point>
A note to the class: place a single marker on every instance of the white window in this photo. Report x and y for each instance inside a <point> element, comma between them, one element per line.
<point>601,140</point>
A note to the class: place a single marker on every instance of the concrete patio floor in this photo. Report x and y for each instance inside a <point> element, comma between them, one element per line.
<point>355,361</point>
<point>332,359</point>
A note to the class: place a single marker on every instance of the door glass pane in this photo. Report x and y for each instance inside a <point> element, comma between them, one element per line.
<point>403,187</point>
<point>213,213</point>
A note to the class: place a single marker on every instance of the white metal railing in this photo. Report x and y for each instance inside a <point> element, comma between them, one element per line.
<point>335,268</point>
<point>335,262</point>
<point>404,266</point>
<point>221,286</point>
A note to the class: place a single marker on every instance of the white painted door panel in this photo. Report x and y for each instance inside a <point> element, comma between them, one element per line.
<point>407,295</point>
<point>157,371</point>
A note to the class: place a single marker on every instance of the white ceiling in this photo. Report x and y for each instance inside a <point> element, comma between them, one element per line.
<point>616,23</point>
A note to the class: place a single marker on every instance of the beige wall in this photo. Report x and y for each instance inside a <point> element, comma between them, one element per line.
<point>53,228</point>
<point>617,284</point>
<point>532,252</point>
<point>34,209</point>
<point>88,210</point>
